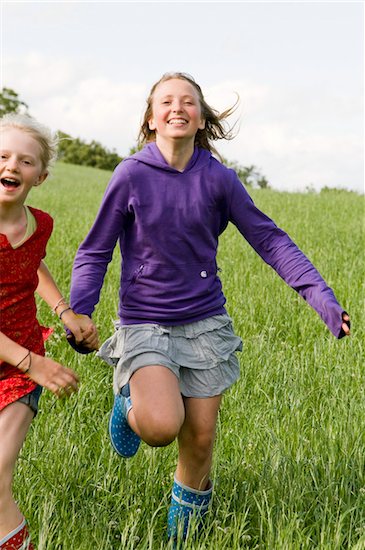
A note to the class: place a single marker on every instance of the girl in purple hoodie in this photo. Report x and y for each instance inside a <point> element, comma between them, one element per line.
<point>174,350</point>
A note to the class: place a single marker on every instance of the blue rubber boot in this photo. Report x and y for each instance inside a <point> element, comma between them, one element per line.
<point>187,505</point>
<point>125,442</point>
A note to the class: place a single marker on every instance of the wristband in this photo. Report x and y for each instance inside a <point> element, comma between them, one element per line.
<point>24,358</point>
<point>64,311</point>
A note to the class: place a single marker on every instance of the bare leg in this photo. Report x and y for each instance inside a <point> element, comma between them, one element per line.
<point>196,441</point>
<point>15,420</point>
<point>158,409</point>
<point>192,490</point>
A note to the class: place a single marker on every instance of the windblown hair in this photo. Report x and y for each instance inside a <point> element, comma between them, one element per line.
<point>216,126</point>
<point>47,140</point>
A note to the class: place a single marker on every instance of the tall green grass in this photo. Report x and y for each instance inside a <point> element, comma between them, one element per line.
<point>289,467</point>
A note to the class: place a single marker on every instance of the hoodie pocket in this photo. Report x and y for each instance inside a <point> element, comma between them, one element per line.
<point>180,285</point>
<point>129,280</point>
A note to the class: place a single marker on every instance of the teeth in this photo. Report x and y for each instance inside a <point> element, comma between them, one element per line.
<point>177,121</point>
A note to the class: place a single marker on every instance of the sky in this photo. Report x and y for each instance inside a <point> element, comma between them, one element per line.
<point>86,68</point>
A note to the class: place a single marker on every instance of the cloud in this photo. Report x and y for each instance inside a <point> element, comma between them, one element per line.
<point>98,109</point>
<point>294,136</point>
<point>89,107</point>
<point>38,75</point>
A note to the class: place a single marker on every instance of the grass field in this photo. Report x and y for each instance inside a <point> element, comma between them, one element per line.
<point>289,467</point>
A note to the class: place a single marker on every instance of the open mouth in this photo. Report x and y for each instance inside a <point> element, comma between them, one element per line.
<point>9,183</point>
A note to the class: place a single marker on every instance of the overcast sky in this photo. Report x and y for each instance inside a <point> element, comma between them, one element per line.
<point>86,68</point>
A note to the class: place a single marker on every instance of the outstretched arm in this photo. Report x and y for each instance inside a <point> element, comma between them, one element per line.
<point>81,326</point>
<point>277,249</point>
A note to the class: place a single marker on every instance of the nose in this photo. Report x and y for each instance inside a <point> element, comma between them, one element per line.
<point>177,106</point>
<point>12,164</point>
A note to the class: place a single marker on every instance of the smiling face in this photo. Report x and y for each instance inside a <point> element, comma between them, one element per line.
<point>176,111</point>
<point>20,165</point>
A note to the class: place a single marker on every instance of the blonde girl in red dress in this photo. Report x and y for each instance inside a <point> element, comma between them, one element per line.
<point>26,150</point>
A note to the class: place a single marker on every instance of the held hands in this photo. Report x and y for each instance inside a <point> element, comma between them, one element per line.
<point>82,328</point>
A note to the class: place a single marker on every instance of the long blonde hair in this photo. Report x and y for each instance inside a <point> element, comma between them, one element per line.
<point>216,126</point>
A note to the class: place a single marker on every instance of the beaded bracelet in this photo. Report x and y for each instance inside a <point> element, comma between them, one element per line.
<point>61,302</point>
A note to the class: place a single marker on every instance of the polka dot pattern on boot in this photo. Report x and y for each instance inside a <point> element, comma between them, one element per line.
<point>124,441</point>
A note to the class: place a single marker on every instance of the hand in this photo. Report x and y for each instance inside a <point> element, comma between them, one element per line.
<point>346,324</point>
<point>82,328</point>
<point>60,380</point>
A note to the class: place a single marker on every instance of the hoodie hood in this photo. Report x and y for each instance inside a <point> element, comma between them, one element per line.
<point>152,156</point>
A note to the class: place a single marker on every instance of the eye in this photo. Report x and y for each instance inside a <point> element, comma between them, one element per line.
<point>27,162</point>
<point>166,102</point>
<point>189,103</point>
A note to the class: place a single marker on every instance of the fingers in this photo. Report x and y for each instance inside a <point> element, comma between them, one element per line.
<point>78,336</point>
<point>61,391</point>
<point>64,390</point>
<point>90,338</point>
<point>60,380</point>
<point>88,331</point>
<point>87,336</point>
<point>346,324</point>
<point>82,327</point>
<point>64,382</point>
<point>92,342</point>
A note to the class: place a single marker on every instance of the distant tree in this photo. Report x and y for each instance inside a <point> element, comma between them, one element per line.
<point>249,175</point>
<point>262,182</point>
<point>10,102</point>
<point>76,151</point>
<point>134,149</point>
<point>338,190</point>
<point>310,188</point>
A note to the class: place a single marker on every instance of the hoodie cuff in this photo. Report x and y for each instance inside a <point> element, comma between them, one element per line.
<point>77,347</point>
<point>333,318</point>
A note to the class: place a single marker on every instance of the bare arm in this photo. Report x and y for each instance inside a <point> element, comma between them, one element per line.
<point>81,326</point>
<point>44,371</point>
<point>47,288</point>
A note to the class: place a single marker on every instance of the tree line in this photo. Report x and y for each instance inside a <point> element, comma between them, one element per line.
<point>77,151</point>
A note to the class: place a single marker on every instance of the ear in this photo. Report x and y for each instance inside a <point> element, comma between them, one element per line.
<point>151,124</point>
<point>40,179</point>
<point>202,124</point>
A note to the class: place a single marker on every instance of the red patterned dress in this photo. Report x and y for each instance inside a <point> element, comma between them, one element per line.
<point>18,321</point>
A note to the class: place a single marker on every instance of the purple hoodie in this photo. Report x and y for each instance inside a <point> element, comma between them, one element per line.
<point>168,223</point>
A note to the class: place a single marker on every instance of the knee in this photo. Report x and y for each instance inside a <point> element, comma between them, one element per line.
<point>201,444</point>
<point>159,432</point>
